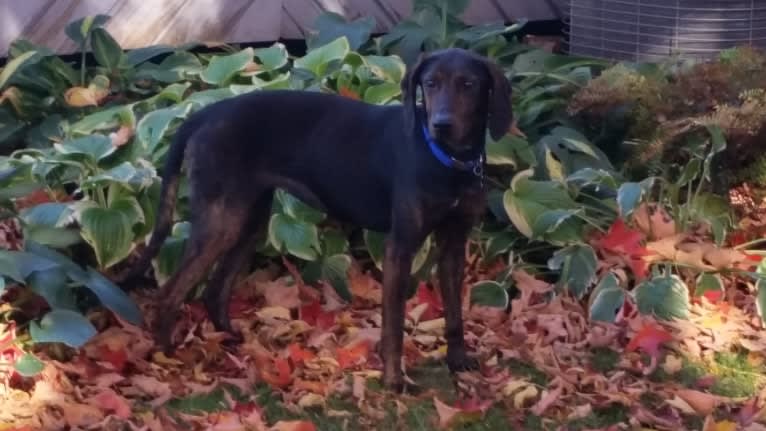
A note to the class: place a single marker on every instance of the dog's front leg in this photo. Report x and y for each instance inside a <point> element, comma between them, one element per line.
<point>400,250</point>
<point>451,238</point>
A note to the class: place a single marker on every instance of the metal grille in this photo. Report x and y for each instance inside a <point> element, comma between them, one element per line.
<point>653,30</point>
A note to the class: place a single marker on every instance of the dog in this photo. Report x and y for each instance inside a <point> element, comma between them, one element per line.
<point>406,169</point>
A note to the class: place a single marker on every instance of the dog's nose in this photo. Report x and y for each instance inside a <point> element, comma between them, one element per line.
<point>442,123</point>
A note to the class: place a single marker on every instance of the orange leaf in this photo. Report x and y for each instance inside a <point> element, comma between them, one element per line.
<point>85,96</point>
<point>293,426</point>
<point>298,354</point>
<point>351,356</point>
<point>347,92</point>
<point>282,375</point>
<point>649,338</point>
<point>121,136</point>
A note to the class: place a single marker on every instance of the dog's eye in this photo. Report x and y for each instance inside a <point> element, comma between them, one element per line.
<point>430,83</point>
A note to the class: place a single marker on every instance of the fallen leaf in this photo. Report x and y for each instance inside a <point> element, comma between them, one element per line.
<point>110,401</point>
<point>81,415</point>
<point>293,426</point>
<point>672,364</point>
<point>279,293</point>
<point>458,415</point>
<point>298,354</point>
<point>281,376</point>
<point>548,398</point>
<point>351,356</point>
<point>702,402</point>
<point>649,338</point>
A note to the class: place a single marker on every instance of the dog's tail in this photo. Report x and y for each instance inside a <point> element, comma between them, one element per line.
<point>171,177</point>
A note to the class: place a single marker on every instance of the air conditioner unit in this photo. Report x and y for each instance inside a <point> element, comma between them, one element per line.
<point>653,30</point>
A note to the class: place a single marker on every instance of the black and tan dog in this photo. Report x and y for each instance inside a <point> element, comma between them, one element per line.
<point>407,170</point>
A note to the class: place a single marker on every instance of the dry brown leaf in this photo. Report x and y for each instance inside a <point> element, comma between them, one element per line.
<point>547,400</point>
<point>121,136</point>
<point>654,221</point>
<point>702,402</point>
<point>81,415</point>
<point>279,293</point>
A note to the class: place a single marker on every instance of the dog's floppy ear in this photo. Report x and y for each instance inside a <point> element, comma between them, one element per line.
<point>500,111</point>
<point>409,85</point>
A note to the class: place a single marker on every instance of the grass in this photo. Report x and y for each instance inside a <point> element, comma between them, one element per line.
<point>736,376</point>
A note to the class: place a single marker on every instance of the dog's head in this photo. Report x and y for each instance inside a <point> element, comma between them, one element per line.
<point>463,93</point>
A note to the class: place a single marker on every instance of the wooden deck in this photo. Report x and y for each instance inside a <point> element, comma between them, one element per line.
<point>137,23</point>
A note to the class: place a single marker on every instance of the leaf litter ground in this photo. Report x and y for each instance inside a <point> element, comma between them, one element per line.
<point>309,362</point>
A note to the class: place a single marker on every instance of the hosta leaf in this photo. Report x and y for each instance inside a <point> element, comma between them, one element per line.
<point>80,29</point>
<point>329,26</point>
<point>489,293</point>
<point>43,252</point>
<point>223,68</point>
<point>62,326</point>
<point>551,220</point>
<point>20,264</point>
<point>577,264</point>
<point>52,285</point>
<point>335,271</point>
<point>9,268</point>
<point>28,365</point>
<point>589,176</point>
<point>628,197</point>
<point>707,282</point>
<point>112,296</point>
<point>665,296</point>
<point>106,50</point>
<point>273,57</point>
<point>15,65</point>
<point>500,243</point>
<point>129,206</point>
<point>390,68</point>
<point>125,174</point>
<point>375,242</point>
<point>57,237</point>
<point>54,214</point>
<point>608,298</point>
<point>334,242</point>
<point>108,118</point>
<point>529,199</point>
<point>297,209</point>
<point>152,127</point>
<point>382,93</point>
<point>297,237</point>
<point>317,59</point>
<point>109,232</point>
<point>760,299</point>
<point>94,147</point>
<point>171,253</point>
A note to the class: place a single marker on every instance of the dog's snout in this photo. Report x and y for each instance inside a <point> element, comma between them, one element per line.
<point>442,122</point>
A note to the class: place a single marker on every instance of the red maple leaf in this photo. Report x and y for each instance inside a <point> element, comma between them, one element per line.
<point>628,243</point>
<point>426,295</point>
<point>649,338</point>
<point>313,314</point>
<point>118,358</point>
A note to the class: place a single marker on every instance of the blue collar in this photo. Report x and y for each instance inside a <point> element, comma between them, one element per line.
<point>476,166</point>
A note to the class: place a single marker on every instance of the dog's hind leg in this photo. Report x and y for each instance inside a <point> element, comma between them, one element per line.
<point>218,291</point>
<point>215,230</point>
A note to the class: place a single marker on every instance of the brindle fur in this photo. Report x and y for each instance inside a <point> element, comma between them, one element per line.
<point>363,164</point>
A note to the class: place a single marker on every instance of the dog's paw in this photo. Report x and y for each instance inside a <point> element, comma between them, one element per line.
<point>460,361</point>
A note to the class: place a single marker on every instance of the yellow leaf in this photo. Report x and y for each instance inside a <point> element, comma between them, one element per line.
<point>672,364</point>
<point>530,392</point>
<point>725,426</point>
<point>160,358</point>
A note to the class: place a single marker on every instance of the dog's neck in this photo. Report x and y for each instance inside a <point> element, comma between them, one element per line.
<point>469,161</point>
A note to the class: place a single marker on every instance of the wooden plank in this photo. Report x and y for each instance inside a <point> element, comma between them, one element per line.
<point>137,23</point>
